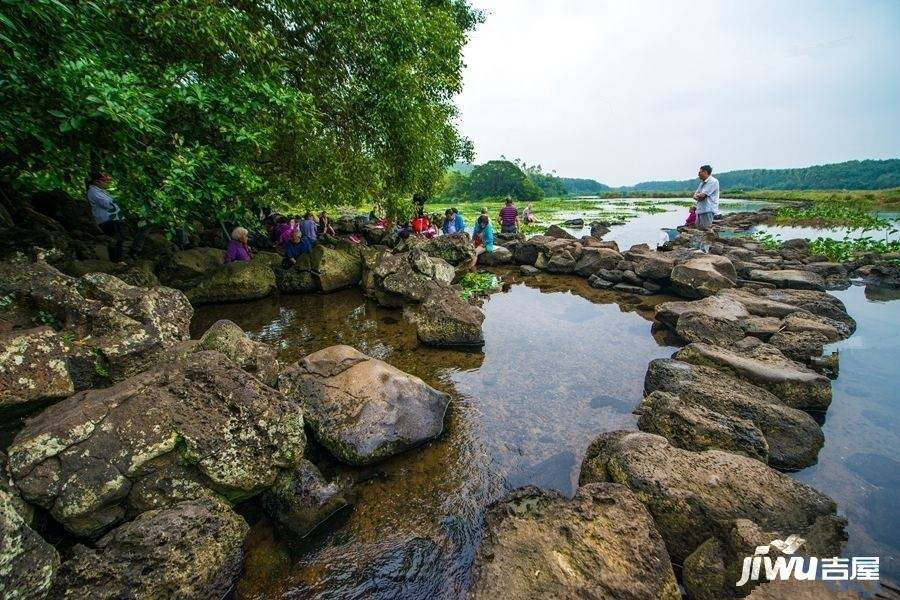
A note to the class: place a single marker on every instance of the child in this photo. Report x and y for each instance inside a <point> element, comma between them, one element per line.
<point>483,238</point>
<point>692,216</point>
<point>294,248</point>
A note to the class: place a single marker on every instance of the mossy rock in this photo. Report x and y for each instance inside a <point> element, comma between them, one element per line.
<point>234,282</point>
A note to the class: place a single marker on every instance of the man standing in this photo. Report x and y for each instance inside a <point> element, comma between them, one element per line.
<point>509,217</point>
<point>707,197</point>
<point>106,213</point>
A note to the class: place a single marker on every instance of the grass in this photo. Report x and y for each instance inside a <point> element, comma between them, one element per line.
<point>862,199</point>
<point>831,215</point>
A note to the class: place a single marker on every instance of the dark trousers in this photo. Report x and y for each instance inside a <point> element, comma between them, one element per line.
<point>114,230</point>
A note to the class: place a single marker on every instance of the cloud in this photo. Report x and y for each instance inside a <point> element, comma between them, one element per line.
<point>623,92</point>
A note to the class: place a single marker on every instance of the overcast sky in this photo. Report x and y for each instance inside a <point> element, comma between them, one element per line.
<point>627,91</point>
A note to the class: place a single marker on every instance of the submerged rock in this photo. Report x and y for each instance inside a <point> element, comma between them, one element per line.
<point>765,366</point>
<point>190,550</point>
<point>361,409</point>
<point>301,499</point>
<point>28,564</point>
<point>446,320</point>
<point>792,436</point>
<point>692,494</point>
<point>89,458</point>
<point>600,544</point>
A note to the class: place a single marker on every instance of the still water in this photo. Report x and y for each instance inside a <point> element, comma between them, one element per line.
<point>562,362</point>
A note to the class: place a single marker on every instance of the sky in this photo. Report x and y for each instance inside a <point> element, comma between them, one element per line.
<point>627,91</point>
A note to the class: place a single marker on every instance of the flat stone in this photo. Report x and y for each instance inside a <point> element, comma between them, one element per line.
<point>790,278</point>
<point>703,276</point>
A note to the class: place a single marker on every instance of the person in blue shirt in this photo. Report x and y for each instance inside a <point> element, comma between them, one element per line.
<point>297,246</point>
<point>449,225</point>
<point>459,221</point>
<point>482,238</point>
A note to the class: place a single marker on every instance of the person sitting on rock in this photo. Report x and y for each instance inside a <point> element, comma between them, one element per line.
<point>281,230</point>
<point>482,238</point>
<point>459,221</point>
<point>238,249</point>
<point>509,217</point>
<point>106,213</point>
<point>692,216</point>
<point>528,215</point>
<point>325,228</point>
<point>308,227</point>
<point>449,226</point>
<point>297,246</point>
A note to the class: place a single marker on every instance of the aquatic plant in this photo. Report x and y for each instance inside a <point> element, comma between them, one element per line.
<point>476,283</point>
<point>847,248</point>
<point>831,215</point>
<point>767,240</point>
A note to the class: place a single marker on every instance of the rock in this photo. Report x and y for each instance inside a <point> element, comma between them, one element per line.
<point>455,249</point>
<point>654,265</point>
<point>499,256</point>
<point>555,231</point>
<point>578,222</point>
<point>299,279</point>
<point>335,269</point>
<point>794,244</point>
<point>762,327</point>
<point>766,367</point>
<point>301,499</point>
<point>632,278</point>
<point>528,251</point>
<point>800,590</point>
<point>793,437</point>
<point>613,275</point>
<point>817,303</point>
<point>691,494</point>
<point>695,427</point>
<point>631,289</point>
<point>446,320</point>
<point>560,262</point>
<point>34,368</point>
<point>592,260</point>
<point>28,564</point>
<point>701,327</point>
<point>257,358</point>
<point>406,277</point>
<point>595,281</point>
<point>84,459</point>
<point>703,276</point>
<point>652,287</point>
<point>233,282</point>
<point>827,269</point>
<point>758,304</point>
<point>190,550</point>
<point>601,544</point>
<point>120,329</point>
<point>361,409</point>
<point>716,307</point>
<point>529,270</point>
<point>187,267</point>
<point>598,230</point>
<point>807,322</point>
<point>799,345</point>
<point>790,278</point>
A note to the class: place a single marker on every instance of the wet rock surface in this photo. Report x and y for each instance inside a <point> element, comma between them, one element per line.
<point>189,550</point>
<point>601,544</point>
<point>91,458</point>
<point>361,409</point>
<point>302,499</point>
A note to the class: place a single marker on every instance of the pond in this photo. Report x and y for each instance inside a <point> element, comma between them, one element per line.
<point>562,362</point>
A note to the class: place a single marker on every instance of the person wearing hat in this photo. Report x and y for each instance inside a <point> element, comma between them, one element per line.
<point>107,213</point>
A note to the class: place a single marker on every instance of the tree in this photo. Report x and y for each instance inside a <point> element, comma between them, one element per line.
<point>498,178</point>
<point>203,109</point>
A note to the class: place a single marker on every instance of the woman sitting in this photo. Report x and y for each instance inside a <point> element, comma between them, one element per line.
<point>238,250</point>
<point>528,215</point>
<point>482,238</point>
<point>449,226</point>
<point>325,228</point>
<point>297,246</point>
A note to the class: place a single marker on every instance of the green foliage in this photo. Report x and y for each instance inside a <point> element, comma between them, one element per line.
<point>858,198</point>
<point>44,317</point>
<point>494,179</point>
<point>582,187</point>
<point>207,109</point>
<point>846,249</point>
<point>767,240</point>
<point>98,366</point>
<point>476,283</point>
<point>835,215</point>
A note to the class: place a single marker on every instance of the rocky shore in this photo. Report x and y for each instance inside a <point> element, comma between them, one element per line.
<point>139,441</point>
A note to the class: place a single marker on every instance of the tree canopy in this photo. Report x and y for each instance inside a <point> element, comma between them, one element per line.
<point>204,109</point>
<point>493,179</point>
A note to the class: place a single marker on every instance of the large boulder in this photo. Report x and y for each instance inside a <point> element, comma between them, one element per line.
<point>186,267</point>
<point>654,265</point>
<point>28,564</point>
<point>790,278</point>
<point>361,409</point>
<point>703,276</point>
<point>694,427</point>
<point>555,231</point>
<point>600,544</point>
<point>125,328</point>
<point>92,459</point>
<point>34,367</point>
<point>792,436</point>
<point>257,358</point>
<point>190,550</point>
<point>446,320</point>
<point>298,279</point>
<point>233,282</point>
<point>301,499</point>
<point>594,259</point>
<point>455,249</point>
<point>693,495</point>
<point>335,268</point>
<point>765,366</point>
<point>498,256</point>
<point>398,279</point>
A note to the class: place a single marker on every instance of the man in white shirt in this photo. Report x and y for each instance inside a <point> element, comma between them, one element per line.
<point>707,197</point>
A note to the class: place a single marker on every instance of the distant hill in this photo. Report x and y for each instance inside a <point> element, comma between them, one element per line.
<point>577,187</point>
<point>850,175</point>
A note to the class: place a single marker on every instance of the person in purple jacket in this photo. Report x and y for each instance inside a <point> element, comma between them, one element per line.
<point>238,250</point>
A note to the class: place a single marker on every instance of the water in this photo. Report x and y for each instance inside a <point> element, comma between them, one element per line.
<point>562,362</point>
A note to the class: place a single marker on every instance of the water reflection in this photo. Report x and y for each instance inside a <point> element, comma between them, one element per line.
<point>556,369</point>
